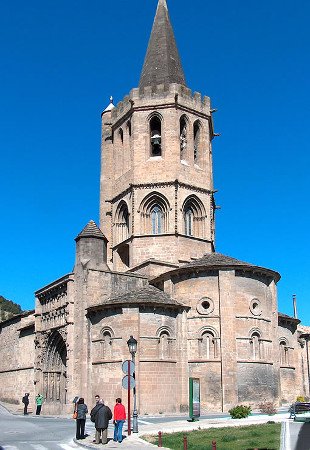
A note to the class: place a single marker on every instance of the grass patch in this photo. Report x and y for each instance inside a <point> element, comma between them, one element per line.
<point>266,437</point>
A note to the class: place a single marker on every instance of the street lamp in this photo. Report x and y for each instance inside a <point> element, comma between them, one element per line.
<point>132,347</point>
<point>306,337</point>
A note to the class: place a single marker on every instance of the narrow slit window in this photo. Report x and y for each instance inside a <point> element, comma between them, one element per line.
<point>155,136</point>
<point>197,138</point>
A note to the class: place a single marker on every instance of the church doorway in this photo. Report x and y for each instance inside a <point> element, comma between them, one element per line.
<point>54,373</point>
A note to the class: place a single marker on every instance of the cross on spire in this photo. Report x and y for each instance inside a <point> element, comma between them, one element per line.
<point>162,62</point>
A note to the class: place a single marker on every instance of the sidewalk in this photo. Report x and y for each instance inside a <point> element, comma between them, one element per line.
<point>129,443</point>
<point>135,442</point>
<point>182,425</point>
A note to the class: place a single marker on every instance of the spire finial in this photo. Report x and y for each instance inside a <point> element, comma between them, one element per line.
<point>110,106</point>
<point>162,64</point>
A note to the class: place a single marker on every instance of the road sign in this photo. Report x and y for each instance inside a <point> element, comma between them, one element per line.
<point>128,365</point>
<point>132,382</point>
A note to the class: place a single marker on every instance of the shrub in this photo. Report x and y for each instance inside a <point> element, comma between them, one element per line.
<point>240,411</point>
<point>267,408</point>
<point>300,398</point>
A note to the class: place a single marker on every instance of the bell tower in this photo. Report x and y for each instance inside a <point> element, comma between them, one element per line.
<point>156,199</point>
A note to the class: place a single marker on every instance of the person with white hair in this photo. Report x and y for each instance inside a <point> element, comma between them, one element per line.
<point>100,415</point>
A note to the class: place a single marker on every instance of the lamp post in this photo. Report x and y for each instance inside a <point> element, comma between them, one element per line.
<point>306,337</point>
<point>132,347</point>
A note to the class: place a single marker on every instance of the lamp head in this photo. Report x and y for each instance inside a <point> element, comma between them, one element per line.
<point>132,345</point>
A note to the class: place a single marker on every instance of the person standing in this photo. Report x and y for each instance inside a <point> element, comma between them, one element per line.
<point>97,398</point>
<point>119,419</point>
<point>82,410</point>
<point>39,401</point>
<point>101,414</point>
<point>25,401</point>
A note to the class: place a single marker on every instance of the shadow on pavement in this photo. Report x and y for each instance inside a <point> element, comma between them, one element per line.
<point>303,442</point>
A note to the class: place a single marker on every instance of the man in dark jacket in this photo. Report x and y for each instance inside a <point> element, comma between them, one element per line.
<point>101,415</point>
<point>25,401</point>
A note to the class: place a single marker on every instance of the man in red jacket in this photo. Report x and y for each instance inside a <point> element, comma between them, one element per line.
<point>119,419</point>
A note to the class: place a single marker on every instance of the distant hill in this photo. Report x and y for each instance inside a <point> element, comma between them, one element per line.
<point>8,309</point>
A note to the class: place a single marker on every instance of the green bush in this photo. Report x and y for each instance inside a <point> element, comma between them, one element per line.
<point>300,398</point>
<point>240,411</point>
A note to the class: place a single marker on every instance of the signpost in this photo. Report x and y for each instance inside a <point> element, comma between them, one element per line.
<point>194,399</point>
<point>128,382</point>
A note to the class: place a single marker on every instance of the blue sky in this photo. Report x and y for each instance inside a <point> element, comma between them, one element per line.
<point>59,63</point>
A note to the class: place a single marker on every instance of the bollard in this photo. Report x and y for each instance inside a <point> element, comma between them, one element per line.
<point>213,445</point>
<point>160,439</point>
<point>185,442</point>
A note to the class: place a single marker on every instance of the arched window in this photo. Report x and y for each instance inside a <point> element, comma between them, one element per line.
<point>208,347</point>
<point>121,222</point>
<point>154,211</point>
<point>194,216</point>
<point>284,356</point>
<point>157,217</point>
<point>256,347</point>
<point>183,138</point>
<point>155,136</point>
<point>164,343</point>
<point>197,142</point>
<point>189,218</point>
<point>106,344</point>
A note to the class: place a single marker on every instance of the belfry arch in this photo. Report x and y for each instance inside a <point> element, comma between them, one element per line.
<point>55,370</point>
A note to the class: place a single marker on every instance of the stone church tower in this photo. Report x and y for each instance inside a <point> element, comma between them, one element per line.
<point>151,270</point>
<point>156,204</point>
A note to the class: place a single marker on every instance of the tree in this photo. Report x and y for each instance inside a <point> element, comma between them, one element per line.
<point>8,308</point>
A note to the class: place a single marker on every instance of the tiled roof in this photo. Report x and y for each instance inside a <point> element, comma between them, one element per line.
<point>217,261</point>
<point>162,63</point>
<point>91,230</point>
<point>286,317</point>
<point>146,295</point>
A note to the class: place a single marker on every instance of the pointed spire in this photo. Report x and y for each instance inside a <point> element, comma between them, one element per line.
<point>162,63</point>
<point>91,231</point>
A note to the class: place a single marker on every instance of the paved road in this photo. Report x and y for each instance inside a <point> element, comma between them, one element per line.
<point>35,433</point>
<point>297,436</point>
<point>48,433</point>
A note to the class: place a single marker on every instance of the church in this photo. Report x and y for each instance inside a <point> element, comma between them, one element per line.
<point>150,270</point>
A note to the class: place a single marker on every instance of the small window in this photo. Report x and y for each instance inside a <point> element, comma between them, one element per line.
<point>156,216</point>
<point>106,345</point>
<point>255,343</point>
<point>154,211</point>
<point>284,360</point>
<point>183,138</point>
<point>189,217</point>
<point>155,136</point>
<point>208,346</point>
<point>255,307</point>
<point>164,345</point>
<point>121,222</point>
<point>194,217</point>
